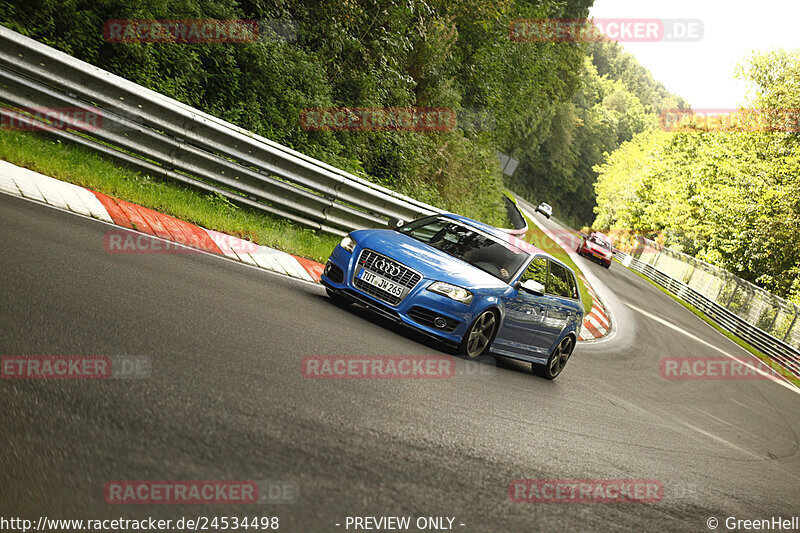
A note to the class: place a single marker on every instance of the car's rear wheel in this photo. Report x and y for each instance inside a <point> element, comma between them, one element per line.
<point>480,334</point>
<point>557,361</point>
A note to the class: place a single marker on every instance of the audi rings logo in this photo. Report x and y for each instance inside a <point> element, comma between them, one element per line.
<point>390,269</point>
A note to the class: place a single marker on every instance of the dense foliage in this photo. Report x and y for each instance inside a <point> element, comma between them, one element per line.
<point>615,99</point>
<point>728,193</point>
<point>545,104</point>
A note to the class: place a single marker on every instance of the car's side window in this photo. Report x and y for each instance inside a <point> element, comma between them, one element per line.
<point>560,282</point>
<point>537,271</point>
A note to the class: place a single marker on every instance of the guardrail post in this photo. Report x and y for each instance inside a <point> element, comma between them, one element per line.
<point>789,329</point>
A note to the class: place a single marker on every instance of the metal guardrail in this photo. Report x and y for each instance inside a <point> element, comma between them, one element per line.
<point>165,138</point>
<point>785,354</point>
<point>516,217</point>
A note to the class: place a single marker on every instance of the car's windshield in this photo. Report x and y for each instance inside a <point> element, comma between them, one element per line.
<point>498,258</point>
<point>600,242</point>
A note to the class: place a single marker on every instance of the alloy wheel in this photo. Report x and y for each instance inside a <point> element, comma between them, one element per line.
<point>481,334</point>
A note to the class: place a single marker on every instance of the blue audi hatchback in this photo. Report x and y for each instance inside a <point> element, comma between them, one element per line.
<point>465,283</point>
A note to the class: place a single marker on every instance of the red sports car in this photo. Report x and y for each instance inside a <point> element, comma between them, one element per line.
<point>597,247</point>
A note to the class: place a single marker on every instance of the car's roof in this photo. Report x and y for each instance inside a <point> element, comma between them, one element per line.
<point>602,235</point>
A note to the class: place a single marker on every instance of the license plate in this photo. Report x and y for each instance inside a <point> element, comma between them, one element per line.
<point>382,283</point>
<point>599,256</point>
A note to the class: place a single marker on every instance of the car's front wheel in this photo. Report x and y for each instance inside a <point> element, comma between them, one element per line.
<point>479,336</point>
<point>557,361</point>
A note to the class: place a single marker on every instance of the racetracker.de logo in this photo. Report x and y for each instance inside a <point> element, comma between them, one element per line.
<point>75,367</point>
<point>181,31</point>
<point>128,242</point>
<point>585,491</point>
<point>417,119</point>
<point>51,119</point>
<point>717,368</point>
<point>201,492</point>
<point>377,367</point>
<point>629,30</point>
<point>56,367</point>
<point>180,492</point>
<point>775,120</point>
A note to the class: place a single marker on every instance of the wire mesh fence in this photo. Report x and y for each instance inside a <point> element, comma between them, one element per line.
<point>754,305</point>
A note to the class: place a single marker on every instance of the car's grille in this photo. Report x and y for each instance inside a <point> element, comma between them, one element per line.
<point>398,273</point>
<point>427,317</point>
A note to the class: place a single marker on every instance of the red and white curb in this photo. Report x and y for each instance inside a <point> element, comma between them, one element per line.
<point>596,324</point>
<point>25,183</point>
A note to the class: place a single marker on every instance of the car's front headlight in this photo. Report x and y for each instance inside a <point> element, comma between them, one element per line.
<point>451,291</point>
<point>348,244</point>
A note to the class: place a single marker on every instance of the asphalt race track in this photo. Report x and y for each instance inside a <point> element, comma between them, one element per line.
<point>226,400</point>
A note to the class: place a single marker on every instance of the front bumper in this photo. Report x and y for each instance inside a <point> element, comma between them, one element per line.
<point>418,309</point>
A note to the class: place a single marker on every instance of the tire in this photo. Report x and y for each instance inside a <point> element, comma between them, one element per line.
<point>607,265</point>
<point>557,361</point>
<point>479,335</point>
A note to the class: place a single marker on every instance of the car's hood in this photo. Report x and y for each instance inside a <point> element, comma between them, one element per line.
<point>430,262</point>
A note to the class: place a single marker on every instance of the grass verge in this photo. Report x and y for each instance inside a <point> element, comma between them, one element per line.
<point>744,344</point>
<point>80,166</point>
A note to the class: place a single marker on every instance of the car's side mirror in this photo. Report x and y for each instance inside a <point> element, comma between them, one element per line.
<point>395,223</point>
<point>533,287</point>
